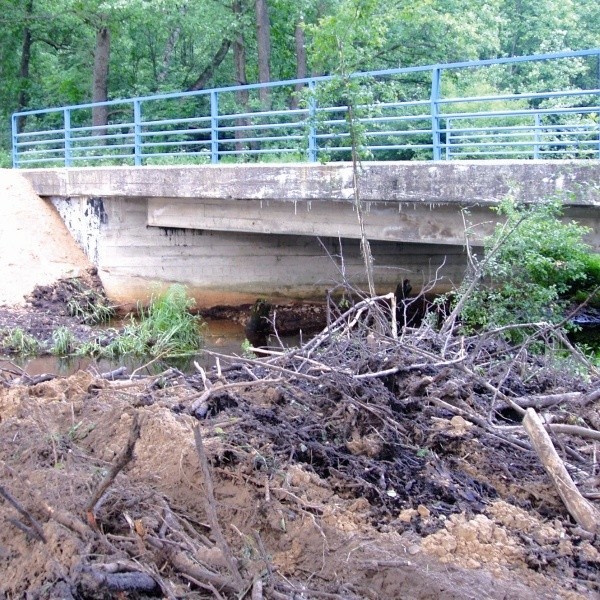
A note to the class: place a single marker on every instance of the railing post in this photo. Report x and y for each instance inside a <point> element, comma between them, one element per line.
<point>436,77</point>
<point>448,138</point>
<point>68,146</point>
<point>137,133</point>
<point>536,137</point>
<point>214,127</point>
<point>15,141</point>
<point>312,127</point>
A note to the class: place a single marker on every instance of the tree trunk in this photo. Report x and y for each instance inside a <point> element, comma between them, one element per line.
<point>263,37</point>
<point>301,68</point>
<point>239,59</point>
<point>100,83</point>
<point>170,48</point>
<point>23,97</point>
<point>208,72</point>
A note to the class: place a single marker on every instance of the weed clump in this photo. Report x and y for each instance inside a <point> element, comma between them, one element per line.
<point>16,340</point>
<point>165,328</point>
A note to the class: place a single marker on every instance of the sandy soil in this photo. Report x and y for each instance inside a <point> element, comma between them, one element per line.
<point>35,246</point>
<point>326,485</point>
<point>305,535</point>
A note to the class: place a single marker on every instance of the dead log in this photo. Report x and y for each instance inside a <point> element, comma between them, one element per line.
<point>584,513</point>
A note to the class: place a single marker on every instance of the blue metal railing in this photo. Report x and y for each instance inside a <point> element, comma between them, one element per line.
<point>403,113</point>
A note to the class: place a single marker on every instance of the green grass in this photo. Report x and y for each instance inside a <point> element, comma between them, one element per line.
<point>18,341</point>
<point>165,328</point>
<point>63,342</point>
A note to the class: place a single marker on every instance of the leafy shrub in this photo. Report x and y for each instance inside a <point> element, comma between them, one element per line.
<point>532,263</point>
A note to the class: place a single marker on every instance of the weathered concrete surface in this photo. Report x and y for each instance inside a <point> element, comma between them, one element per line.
<point>474,182</point>
<point>231,268</point>
<point>234,232</point>
<point>404,202</point>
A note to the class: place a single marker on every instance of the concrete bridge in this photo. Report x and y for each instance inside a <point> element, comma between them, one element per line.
<point>232,233</point>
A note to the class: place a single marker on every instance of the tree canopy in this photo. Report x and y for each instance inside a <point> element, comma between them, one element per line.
<point>58,52</point>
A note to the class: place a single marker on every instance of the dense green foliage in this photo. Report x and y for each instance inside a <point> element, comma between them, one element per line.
<point>533,265</point>
<point>52,51</point>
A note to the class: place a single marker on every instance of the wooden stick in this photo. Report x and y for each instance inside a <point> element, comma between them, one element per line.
<point>584,513</point>
<point>36,528</point>
<point>120,462</point>
<point>211,512</point>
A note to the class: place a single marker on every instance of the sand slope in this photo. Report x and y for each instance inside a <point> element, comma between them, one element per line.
<point>35,246</point>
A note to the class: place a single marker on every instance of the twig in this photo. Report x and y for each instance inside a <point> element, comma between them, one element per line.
<point>211,512</point>
<point>575,430</point>
<point>151,362</point>
<point>36,528</point>
<point>265,365</point>
<point>120,462</point>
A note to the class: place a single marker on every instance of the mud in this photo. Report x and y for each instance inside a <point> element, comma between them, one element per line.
<point>330,480</point>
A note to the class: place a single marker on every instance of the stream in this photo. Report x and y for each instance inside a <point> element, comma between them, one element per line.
<point>220,335</point>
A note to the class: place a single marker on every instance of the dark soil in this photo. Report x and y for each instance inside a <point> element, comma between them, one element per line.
<point>360,465</point>
<point>51,307</point>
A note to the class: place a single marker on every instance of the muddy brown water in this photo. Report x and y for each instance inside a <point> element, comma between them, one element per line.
<point>223,336</point>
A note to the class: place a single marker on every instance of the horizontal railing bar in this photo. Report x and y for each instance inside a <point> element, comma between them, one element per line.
<point>267,113</point>
<point>102,157</point>
<point>32,133</point>
<point>523,143</point>
<point>258,151</point>
<point>308,80</point>
<point>542,128</point>
<point>277,138</point>
<point>521,96</point>
<point>182,155</point>
<point>145,134</point>
<point>176,143</point>
<point>102,147</point>
<point>174,121</point>
<point>401,147</point>
<point>41,143</point>
<point>522,113</point>
<point>264,126</point>
<point>397,132</point>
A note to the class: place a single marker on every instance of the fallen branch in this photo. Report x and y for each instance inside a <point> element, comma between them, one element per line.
<point>118,465</point>
<point>211,512</point>
<point>584,513</point>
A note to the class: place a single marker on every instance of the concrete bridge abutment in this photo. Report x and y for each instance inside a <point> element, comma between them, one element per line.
<point>232,233</point>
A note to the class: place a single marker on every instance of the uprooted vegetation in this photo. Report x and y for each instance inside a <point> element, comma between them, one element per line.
<point>359,465</point>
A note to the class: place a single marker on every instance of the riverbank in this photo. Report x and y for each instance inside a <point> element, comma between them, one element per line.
<point>358,465</point>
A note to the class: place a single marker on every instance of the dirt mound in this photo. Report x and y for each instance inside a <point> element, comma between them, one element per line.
<point>58,440</point>
<point>35,246</point>
<point>360,465</point>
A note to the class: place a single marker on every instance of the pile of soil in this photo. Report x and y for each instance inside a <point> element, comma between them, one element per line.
<point>360,465</point>
<point>35,245</point>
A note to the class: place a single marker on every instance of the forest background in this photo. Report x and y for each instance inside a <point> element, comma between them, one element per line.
<point>64,52</point>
